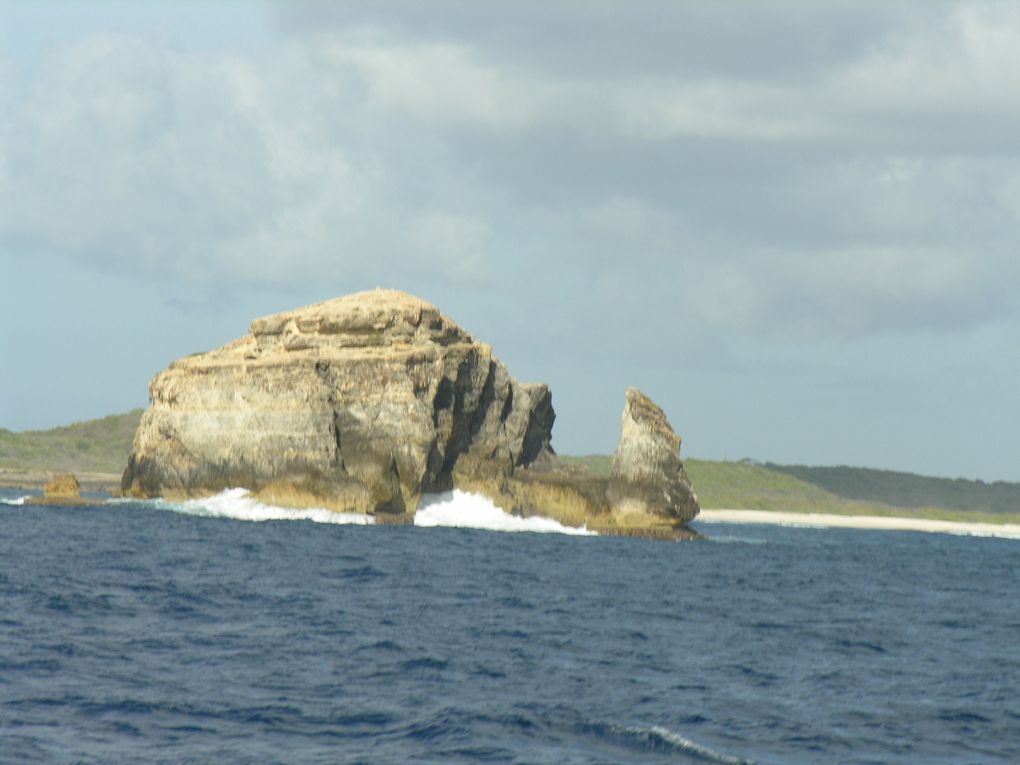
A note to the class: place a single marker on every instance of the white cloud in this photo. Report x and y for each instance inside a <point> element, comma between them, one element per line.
<point>717,109</point>
<point>761,202</point>
<point>952,68</point>
<point>208,167</point>
<point>966,59</point>
<point>441,83</point>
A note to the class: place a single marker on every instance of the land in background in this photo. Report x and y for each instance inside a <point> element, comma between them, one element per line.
<point>97,451</point>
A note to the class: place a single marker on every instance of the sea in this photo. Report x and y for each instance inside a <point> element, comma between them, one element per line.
<point>225,631</point>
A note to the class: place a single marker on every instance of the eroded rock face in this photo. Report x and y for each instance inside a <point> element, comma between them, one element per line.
<point>366,402</point>
<point>360,403</point>
<point>648,481</point>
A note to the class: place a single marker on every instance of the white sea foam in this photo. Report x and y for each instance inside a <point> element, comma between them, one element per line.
<point>16,501</point>
<point>461,509</point>
<point>657,737</point>
<point>239,505</point>
<point>684,743</point>
<point>734,540</point>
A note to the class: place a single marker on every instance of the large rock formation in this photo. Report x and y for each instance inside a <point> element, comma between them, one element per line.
<point>363,403</point>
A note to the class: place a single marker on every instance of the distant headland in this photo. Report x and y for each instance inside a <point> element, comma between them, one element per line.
<point>368,402</point>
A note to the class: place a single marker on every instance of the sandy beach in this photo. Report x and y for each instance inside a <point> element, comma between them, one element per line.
<point>881,523</point>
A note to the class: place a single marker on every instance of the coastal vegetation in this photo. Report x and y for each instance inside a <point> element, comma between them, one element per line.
<point>908,490</point>
<point>99,446</point>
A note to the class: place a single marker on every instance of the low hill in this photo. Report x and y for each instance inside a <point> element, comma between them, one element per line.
<point>907,489</point>
<point>100,446</point>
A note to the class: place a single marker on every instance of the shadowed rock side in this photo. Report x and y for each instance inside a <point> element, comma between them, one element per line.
<point>361,403</point>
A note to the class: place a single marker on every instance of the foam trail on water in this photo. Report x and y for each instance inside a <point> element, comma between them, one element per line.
<point>238,504</point>
<point>16,501</point>
<point>462,509</point>
<point>658,739</point>
<point>693,747</point>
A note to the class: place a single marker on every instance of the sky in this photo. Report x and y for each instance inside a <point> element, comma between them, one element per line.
<point>793,224</point>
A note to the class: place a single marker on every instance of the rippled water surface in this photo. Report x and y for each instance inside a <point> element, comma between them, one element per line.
<point>132,634</point>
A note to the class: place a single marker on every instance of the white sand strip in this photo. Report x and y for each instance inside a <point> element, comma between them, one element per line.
<point>820,520</point>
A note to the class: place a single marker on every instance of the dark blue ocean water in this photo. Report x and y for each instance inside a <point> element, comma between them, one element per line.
<point>134,634</point>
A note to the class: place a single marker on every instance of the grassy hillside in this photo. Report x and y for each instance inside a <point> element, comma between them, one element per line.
<point>100,446</point>
<point>743,485</point>
<point>909,490</point>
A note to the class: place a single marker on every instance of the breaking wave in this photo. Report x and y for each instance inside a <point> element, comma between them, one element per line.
<point>239,505</point>
<point>462,509</point>
<point>457,509</point>
<point>683,743</point>
<point>659,739</point>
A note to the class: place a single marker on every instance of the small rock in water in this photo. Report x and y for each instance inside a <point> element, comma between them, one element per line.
<point>62,486</point>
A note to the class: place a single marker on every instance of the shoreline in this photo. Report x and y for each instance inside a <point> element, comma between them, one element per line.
<point>864,522</point>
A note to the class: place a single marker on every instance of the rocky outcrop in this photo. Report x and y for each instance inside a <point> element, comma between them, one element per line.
<point>62,486</point>
<point>648,483</point>
<point>62,490</point>
<point>360,403</point>
<point>363,403</point>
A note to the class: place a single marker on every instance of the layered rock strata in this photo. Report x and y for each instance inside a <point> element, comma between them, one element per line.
<point>362,403</point>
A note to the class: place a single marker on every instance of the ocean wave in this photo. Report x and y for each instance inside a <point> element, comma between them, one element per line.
<point>17,501</point>
<point>456,509</point>
<point>693,747</point>
<point>239,505</point>
<point>659,739</point>
<point>462,509</point>
<point>736,540</point>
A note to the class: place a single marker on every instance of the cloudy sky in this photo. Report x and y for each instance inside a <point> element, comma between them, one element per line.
<point>794,225</point>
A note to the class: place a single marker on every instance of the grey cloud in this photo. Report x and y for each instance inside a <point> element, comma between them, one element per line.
<point>790,168</point>
<point>591,38</point>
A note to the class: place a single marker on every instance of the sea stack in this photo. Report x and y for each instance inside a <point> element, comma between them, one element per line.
<point>648,482</point>
<point>364,403</point>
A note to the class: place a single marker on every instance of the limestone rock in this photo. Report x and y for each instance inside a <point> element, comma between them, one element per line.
<point>62,486</point>
<point>359,403</point>
<point>366,402</point>
<point>648,483</point>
